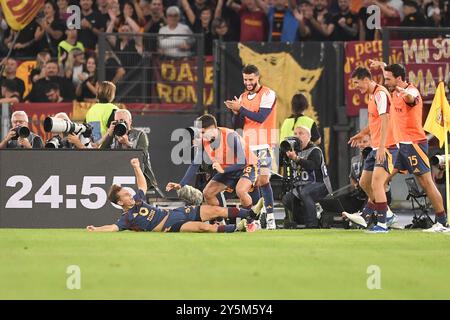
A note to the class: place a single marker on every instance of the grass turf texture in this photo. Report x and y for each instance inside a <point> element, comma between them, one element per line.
<point>281,264</point>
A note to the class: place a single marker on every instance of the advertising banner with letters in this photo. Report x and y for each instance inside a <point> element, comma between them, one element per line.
<point>427,61</point>
<point>176,81</point>
<point>61,188</point>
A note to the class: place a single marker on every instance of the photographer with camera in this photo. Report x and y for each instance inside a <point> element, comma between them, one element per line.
<point>310,183</point>
<point>69,135</point>
<point>357,162</point>
<point>438,174</point>
<point>121,135</point>
<point>20,137</point>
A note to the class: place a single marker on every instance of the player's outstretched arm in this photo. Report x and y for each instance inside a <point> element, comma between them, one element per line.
<point>140,179</point>
<point>107,228</point>
<point>353,141</point>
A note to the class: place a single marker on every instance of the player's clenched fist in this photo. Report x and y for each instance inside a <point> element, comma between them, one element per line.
<point>135,163</point>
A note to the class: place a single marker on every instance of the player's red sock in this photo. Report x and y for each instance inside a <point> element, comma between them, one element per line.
<point>368,210</point>
<point>238,213</point>
<point>226,228</point>
<point>381,209</point>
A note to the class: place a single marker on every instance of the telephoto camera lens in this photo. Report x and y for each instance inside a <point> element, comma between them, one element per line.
<point>437,160</point>
<point>120,128</point>
<point>56,125</point>
<point>291,144</point>
<point>22,132</point>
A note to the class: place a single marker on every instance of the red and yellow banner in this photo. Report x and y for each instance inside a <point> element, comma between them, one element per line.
<point>19,13</point>
<point>427,61</point>
<point>177,81</point>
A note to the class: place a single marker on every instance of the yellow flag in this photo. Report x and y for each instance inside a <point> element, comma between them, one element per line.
<point>19,13</point>
<point>440,110</point>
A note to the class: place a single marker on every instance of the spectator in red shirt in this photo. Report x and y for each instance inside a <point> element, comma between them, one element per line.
<point>253,20</point>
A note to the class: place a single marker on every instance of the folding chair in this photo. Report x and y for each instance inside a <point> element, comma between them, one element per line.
<point>420,199</point>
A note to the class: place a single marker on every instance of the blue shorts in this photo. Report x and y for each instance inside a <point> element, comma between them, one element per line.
<point>413,158</point>
<point>230,179</point>
<point>388,164</point>
<point>181,215</point>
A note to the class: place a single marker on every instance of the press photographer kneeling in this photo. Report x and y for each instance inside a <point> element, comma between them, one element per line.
<point>311,182</point>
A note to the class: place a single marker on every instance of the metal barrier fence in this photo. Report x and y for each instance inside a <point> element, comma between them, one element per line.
<point>154,68</point>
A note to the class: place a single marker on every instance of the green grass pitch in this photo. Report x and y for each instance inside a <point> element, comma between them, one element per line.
<point>281,264</point>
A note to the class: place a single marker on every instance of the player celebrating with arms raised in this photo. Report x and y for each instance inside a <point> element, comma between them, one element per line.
<point>413,144</point>
<point>140,216</point>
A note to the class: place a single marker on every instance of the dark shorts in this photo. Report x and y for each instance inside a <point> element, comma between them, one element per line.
<point>388,164</point>
<point>413,158</point>
<point>231,179</point>
<point>177,217</point>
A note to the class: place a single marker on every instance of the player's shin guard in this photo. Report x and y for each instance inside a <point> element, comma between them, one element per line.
<point>226,228</point>
<point>255,194</point>
<point>267,194</point>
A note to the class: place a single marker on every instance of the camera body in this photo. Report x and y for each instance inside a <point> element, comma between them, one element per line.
<point>120,128</point>
<point>438,160</point>
<point>289,168</point>
<point>22,132</point>
<point>53,143</point>
<point>290,144</point>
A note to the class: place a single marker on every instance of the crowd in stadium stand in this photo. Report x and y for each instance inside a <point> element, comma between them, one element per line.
<point>68,57</point>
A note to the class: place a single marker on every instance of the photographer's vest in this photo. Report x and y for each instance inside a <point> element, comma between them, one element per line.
<point>289,124</point>
<point>133,138</point>
<point>98,116</point>
<point>32,138</point>
<point>225,154</point>
<point>309,176</point>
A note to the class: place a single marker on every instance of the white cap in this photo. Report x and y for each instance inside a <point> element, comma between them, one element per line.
<point>304,128</point>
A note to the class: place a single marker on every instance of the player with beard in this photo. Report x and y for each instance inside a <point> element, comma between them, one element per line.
<point>234,163</point>
<point>256,108</point>
<point>413,147</point>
